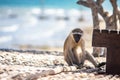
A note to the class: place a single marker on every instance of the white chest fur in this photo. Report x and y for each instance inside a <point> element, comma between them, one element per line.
<point>78,49</point>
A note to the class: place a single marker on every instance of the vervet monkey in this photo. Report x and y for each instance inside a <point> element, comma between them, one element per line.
<point>74,49</point>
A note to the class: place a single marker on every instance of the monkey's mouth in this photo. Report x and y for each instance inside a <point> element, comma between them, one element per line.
<point>76,37</point>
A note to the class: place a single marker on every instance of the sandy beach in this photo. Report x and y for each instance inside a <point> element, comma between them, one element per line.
<point>40,65</point>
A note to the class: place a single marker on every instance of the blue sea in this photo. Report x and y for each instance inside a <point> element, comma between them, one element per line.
<point>41,22</point>
<point>66,4</point>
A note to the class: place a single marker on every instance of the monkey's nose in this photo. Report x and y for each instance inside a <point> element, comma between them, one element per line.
<point>76,37</point>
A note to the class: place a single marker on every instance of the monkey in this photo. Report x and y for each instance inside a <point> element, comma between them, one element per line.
<point>74,50</point>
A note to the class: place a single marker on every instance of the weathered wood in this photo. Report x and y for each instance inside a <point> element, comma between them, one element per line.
<point>111,40</point>
<point>113,60</point>
<point>97,8</point>
<point>105,38</point>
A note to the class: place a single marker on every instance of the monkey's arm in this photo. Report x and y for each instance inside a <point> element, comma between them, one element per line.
<point>91,59</point>
<point>69,57</point>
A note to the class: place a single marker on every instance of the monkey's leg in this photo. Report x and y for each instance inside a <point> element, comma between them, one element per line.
<point>68,60</point>
<point>71,58</point>
<point>91,59</point>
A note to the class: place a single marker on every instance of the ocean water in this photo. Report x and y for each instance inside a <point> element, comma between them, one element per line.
<point>29,22</point>
<point>66,4</point>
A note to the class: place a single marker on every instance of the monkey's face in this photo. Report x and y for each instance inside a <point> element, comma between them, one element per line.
<point>77,34</point>
<point>76,37</point>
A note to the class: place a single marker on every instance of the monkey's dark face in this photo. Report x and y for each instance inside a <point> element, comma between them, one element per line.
<point>76,37</point>
<point>77,34</point>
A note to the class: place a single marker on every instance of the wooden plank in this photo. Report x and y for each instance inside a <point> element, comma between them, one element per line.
<point>113,60</point>
<point>105,38</point>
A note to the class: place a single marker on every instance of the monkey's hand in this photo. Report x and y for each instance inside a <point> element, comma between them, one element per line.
<point>101,68</point>
<point>101,64</point>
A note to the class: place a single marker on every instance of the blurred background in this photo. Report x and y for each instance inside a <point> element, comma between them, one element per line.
<point>43,24</point>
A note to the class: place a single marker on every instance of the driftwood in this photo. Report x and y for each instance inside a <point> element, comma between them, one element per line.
<point>97,8</point>
<point>61,69</point>
<point>54,71</point>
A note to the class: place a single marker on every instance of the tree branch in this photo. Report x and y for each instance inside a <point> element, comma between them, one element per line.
<point>91,4</point>
<point>114,22</point>
<point>100,9</point>
<point>99,2</point>
<point>96,7</point>
<point>119,16</point>
<point>84,3</point>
